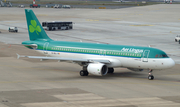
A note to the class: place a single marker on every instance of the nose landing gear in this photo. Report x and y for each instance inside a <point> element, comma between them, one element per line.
<point>150,77</point>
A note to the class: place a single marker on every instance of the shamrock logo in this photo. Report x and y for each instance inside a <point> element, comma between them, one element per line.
<point>33,27</point>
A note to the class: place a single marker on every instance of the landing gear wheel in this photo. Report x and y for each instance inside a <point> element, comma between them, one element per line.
<point>86,73</point>
<point>111,70</point>
<point>150,77</point>
<point>83,73</point>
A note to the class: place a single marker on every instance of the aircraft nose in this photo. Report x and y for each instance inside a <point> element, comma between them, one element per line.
<point>171,62</point>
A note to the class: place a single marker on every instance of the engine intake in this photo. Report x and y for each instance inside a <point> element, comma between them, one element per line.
<point>98,69</point>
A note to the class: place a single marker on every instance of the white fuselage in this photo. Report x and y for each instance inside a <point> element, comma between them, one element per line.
<point>128,62</point>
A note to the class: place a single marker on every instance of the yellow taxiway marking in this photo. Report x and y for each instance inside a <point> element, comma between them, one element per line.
<point>141,25</point>
<point>116,18</point>
<point>42,15</point>
<point>161,82</point>
<point>91,20</point>
<point>153,8</point>
<point>172,32</point>
<point>14,22</point>
<point>136,14</point>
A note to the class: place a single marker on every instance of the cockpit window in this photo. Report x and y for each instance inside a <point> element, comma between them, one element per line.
<point>156,55</point>
<point>164,56</point>
<point>161,56</point>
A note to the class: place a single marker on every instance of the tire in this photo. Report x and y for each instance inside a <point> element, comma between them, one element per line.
<point>150,77</point>
<point>175,40</point>
<point>82,73</point>
<point>86,73</point>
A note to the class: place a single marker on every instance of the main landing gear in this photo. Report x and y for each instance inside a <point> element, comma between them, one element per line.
<point>84,72</point>
<point>150,77</point>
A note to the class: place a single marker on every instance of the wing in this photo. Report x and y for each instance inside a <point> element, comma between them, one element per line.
<point>65,59</point>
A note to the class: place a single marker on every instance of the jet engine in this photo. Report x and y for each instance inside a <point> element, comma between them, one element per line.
<point>135,69</point>
<point>98,69</point>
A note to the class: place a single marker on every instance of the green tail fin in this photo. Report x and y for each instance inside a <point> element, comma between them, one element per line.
<point>36,32</point>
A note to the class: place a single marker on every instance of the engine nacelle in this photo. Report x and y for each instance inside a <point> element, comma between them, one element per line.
<point>98,69</point>
<point>135,69</point>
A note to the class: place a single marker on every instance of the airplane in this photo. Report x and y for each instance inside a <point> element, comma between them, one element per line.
<point>95,59</point>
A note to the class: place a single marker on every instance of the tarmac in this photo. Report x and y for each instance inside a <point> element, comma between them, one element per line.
<point>34,83</point>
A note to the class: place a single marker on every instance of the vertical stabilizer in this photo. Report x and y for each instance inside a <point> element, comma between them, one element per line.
<point>36,32</point>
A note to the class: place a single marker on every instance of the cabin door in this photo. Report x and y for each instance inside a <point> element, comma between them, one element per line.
<point>45,46</point>
<point>145,56</point>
